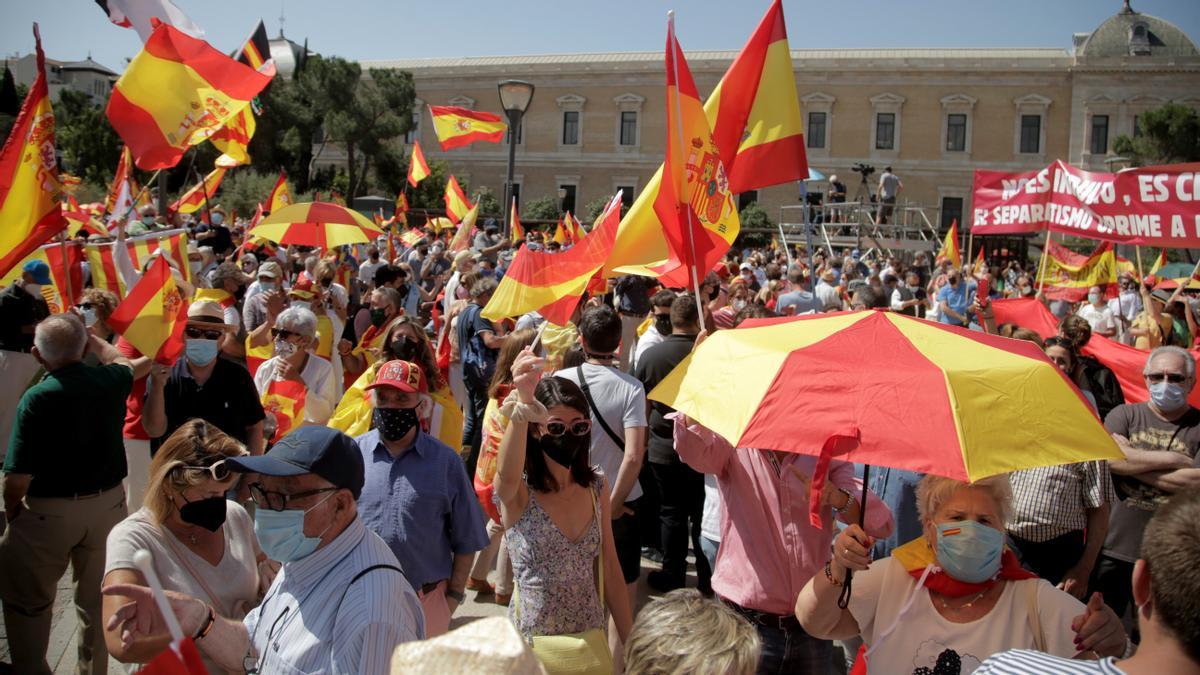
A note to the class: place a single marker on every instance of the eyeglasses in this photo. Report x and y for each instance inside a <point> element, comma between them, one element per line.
<point>201,334</point>
<point>577,428</point>
<point>283,334</point>
<point>86,305</point>
<point>278,501</point>
<point>219,470</point>
<point>1173,378</point>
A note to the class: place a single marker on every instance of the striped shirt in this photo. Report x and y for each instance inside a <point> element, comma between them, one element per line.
<point>1051,501</point>
<point>313,619</point>
<point>1026,662</point>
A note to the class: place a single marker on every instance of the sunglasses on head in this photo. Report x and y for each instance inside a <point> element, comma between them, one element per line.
<point>202,334</point>
<point>577,428</point>
<point>1173,378</point>
<point>219,470</point>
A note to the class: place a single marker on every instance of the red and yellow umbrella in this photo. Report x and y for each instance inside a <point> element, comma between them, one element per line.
<point>320,224</point>
<point>880,388</point>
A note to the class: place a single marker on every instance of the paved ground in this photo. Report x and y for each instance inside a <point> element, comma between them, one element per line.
<point>62,652</point>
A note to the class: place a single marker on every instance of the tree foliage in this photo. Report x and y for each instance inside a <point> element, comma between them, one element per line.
<point>10,103</point>
<point>488,204</point>
<point>595,207</point>
<point>1169,135</point>
<point>542,208</point>
<point>89,146</point>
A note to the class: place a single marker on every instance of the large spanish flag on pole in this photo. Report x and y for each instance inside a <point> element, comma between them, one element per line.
<point>418,168</point>
<point>950,250</point>
<point>552,283</point>
<point>193,199</point>
<point>694,204</point>
<point>462,236</point>
<point>152,317</point>
<point>518,232</point>
<point>30,192</point>
<point>281,194</point>
<point>177,92</point>
<point>456,127</point>
<point>103,267</point>
<point>754,113</point>
<point>456,200</point>
<point>1069,275</point>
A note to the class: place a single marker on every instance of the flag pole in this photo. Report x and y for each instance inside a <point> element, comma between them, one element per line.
<point>679,133</point>
<point>66,265</point>
<point>145,564</point>
<point>1042,262</point>
<point>133,202</point>
<point>1137,251</point>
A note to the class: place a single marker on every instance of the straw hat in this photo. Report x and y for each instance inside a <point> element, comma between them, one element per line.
<point>490,646</point>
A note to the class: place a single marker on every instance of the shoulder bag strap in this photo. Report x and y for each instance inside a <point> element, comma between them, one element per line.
<point>363,573</point>
<point>596,412</point>
<point>600,527</point>
<point>1035,617</point>
<point>182,558</point>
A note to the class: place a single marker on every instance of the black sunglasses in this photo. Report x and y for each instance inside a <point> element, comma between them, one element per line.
<point>577,428</point>
<point>280,333</point>
<point>1173,378</point>
<point>278,501</point>
<point>201,334</point>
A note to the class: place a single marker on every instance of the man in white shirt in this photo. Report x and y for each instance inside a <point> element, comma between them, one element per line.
<point>1098,314</point>
<point>660,312</point>
<point>827,293</point>
<point>1125,307</point>
<point>366,271</point>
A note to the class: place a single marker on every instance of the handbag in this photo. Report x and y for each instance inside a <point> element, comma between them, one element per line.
<point>584,653</point>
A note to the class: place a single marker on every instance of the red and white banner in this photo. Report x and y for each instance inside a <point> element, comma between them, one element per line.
<point>1151,206</point>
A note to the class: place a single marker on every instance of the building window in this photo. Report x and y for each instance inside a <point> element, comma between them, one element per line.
<point>570,134</point>
<point>956,132</point>
<point>1099,143</point>
<point>567,193</point>
<point>1137,126</point>
<point>816,130</point>
<point>626,195</point>
<point>885,131</point>
<point>746,199</point>
<point>628,127</point>
<point>1031,134</point>
<point>952,210</point>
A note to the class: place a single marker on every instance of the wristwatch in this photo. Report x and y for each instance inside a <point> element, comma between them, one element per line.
<point>457,596</point>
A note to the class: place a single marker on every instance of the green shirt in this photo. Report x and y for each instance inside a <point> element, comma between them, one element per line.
<point>67,431</point>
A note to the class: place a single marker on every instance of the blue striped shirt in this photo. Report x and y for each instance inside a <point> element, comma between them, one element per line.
<point>301,627</point>
<point>1027,662</point>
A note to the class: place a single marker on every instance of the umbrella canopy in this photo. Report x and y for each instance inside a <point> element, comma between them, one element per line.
<point>889,390</point>
<point>321,224</point>
<point>813,174</point>
<point>1175,270</point>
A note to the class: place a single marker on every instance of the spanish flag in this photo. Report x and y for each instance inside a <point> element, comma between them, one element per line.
<point>552,283</point>
<point>103,266</point>
<point>560,234</point>
<point>1159,262</point>
<point>80,220</point>
<point>456,127</point>
<point>456,200</point>
<point>194,199</point>
<point>574,227</point>
<point>56,292</point>
<point>694,204</point>
<point>754,113</point>
<point>950,250</point>
<point>281,194</point>
<point>284,400</point>
<point>152,317</point>
<point>518,232</point>
<point>401,215</point>
<point>981,266</point>
<point>233,138</point>
<point>30,193</point>
<point>418,168</point>
<point>462,237</point>
<point>119,203</point>
<point>411,236</point>
<point>177,92</point>
<point>1069,275</point>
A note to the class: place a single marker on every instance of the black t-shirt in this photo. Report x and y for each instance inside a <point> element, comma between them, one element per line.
<point>228,400</point>
<point>652,368</point>
<point>19,313</point>
<point>221,241</point>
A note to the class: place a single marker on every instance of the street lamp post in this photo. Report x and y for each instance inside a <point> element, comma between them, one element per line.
<point>515,96</point>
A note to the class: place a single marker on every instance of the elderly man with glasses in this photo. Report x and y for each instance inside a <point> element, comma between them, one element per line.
<point>340,602</point>
<point>295,385</point>
<point>202,385</point>
<point>1159,438</point>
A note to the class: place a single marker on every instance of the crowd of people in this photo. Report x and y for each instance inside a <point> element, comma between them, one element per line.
<point>347,447</point>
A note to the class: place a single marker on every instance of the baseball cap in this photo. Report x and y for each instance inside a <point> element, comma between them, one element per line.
<point>319,450</point>
<point>39,270</point>
<point>268,269</point>
<point>403,375</point>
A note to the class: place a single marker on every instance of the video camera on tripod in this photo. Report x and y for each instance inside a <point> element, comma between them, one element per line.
<point>864,169</point>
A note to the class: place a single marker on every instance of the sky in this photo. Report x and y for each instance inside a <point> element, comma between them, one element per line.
<point>393,29</point>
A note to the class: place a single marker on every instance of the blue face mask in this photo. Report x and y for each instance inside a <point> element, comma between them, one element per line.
<point>201,352</point>
<point>267,285</point>
<point>89,317</point>
<point>281,533</point>
<point>1168,396</point>
<point>217,219</point>
<point>969,551</point>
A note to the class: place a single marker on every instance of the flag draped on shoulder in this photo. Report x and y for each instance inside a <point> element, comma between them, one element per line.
<point>152,317</point>
<point>281,194</point>
<point>754,113</point>
<point>950,250</point>
<point>694,203</point>
<point>456,127</point>
<point>456,200</point>
<point>418,168</point>
<point>177,92</point>
<point>552,283</point>
<point>194,199</point>
<point>30,191</point>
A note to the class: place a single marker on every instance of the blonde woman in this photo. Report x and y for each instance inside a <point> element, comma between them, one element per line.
<point>685,632</point>
<point>202,544</point>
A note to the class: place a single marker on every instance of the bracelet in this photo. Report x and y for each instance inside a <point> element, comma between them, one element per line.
<point>846,506</point>
<point>829,573</point>
<point>207,625</point>
<point>457,596</point>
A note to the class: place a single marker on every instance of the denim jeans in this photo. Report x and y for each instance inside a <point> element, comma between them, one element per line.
<point>709,548</point>
<point>791,651</point>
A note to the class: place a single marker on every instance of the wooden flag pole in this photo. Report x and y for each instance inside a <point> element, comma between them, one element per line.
<point>1042,262</point>
<point>1137,251</point>
<point>971,248</point>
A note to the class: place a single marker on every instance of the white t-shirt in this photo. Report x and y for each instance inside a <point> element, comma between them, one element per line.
<point>621,398</point>
<point>922,637</point>
<point>367,270</point>
<point>1101,320</point>
<point>710,519</point>
<point>322,390</point>
<point>648,339</point>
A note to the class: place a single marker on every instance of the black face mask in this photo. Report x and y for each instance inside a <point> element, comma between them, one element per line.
<point>404,349</point>
<point>712,295</point>
<point>240,293</point>
<point>563,449</point>
<point>394,423</point>
<point>207,513</point>
<point>662,323</point>
<point>378,317</point>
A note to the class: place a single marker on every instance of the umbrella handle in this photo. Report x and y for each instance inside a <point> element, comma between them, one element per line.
<point>844,598</point>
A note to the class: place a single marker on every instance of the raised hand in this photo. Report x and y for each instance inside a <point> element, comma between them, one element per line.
<point>1098,629</point>
<point>526,371</point>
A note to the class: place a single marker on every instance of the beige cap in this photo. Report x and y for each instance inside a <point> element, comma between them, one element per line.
<point>269,269</point>
<point>490,646</point>
<point>208,313</point>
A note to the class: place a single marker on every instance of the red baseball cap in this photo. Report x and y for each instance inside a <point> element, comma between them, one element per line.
<point>402,375</point>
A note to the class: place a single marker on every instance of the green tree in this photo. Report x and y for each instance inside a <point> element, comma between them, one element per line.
<point>428,193</point>
<point>542,208</point>
<point>89,146</point>
<point>243,189</point>
<point>753,217</point>
<point>487,202</point>
<point>1169,135</point>
<point>595,207</point>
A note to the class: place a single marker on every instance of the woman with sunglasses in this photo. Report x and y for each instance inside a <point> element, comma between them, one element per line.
<point>203,545</point>
<point>557,519</point>
<point>95,306</point>
<point>295,371</point>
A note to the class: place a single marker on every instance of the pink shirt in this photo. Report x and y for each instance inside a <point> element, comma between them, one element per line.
<point>768,548</point>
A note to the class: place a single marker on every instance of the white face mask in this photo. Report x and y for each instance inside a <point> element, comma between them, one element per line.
<point>1093,298</point>
<point>195,265</point>
<point>34,289</point>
